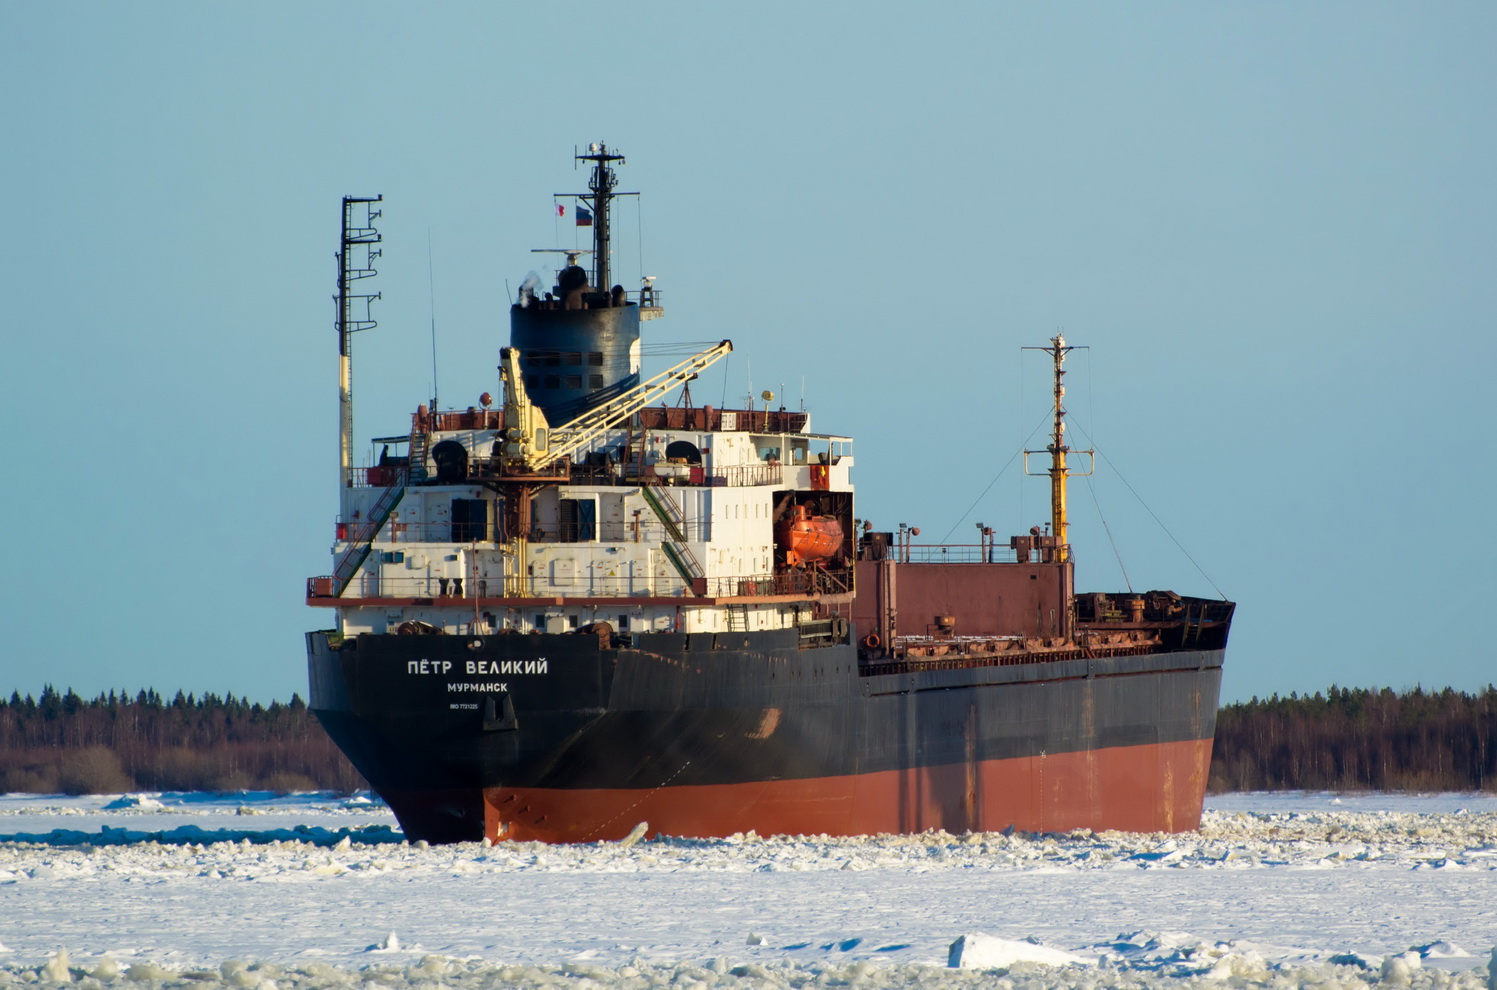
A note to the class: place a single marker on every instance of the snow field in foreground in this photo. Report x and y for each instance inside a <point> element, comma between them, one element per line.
<point>266,895</point>
<point>435,971</point>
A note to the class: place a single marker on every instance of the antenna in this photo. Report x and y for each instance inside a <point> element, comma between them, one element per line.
<point>431,286</point>
<point>1058,449</point>
<point>600,196</point>
<point>572,253</point>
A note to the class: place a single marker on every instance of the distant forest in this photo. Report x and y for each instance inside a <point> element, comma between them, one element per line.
<point>1358,739</point>
<point>1345,739</point>
<point>117,743</point>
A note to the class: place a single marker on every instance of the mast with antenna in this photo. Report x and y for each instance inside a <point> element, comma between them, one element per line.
<point>585,314</point>
<point>601,184</point>
<point>359,215</point>
<point>1058,449</point>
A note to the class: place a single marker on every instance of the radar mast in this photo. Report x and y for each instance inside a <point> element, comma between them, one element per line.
<point>602,183</point>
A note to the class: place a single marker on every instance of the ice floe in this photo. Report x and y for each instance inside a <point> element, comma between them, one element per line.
<point>321,893</point>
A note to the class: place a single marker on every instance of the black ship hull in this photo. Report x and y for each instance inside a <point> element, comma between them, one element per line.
<point>564,738</point>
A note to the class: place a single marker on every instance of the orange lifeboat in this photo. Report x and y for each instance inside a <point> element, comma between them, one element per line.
<point>806,538</point>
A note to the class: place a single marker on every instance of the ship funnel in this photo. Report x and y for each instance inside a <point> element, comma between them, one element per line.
<point>576,359</point>
<point>579,346</point>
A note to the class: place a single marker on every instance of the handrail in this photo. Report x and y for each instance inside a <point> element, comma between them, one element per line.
<point>482,469</point>
<point>745,475</point>
<point>955,553</point>
<point>412,535</point>
<point>585,585</point>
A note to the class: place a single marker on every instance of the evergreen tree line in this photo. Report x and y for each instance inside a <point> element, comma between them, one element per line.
<point>1358,739</point>
<point>118,743</point>
<point>1345,739</point>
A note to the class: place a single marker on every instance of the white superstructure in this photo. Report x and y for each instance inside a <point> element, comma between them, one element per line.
<point>653,529</point>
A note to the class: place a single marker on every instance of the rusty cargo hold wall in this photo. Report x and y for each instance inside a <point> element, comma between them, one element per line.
<point>917,599</point>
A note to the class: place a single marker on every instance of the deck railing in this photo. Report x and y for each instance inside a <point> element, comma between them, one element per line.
<point>648,529</point>
<point>731,476</point>
<point>954,553</point>
<point>583,582</point>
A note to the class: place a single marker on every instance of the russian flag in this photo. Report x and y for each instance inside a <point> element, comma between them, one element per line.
<point>584,218</point>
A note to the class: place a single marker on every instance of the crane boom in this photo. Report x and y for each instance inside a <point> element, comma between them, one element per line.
<point>532,445</point>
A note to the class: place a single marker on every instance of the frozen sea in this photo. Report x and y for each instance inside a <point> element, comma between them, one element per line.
<point>265,892</point>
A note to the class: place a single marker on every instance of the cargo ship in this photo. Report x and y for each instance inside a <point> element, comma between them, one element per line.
<point>594,604</point>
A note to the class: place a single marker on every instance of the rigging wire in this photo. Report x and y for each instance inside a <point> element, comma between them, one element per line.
<point>1000,474</point>
<point>1091,409</point>
<point>662,348</point>
<point>1178,545</point>
<point>1020,419</point>
<point>1091,490</point>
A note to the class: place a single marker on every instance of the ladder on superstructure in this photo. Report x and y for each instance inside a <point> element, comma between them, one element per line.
<point>1192,632</point>
<point>361,538</point>
<point>674,547</point>
<point>417,459</point>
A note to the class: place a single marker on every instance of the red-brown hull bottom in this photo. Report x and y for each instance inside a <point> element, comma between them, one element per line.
<point>1152,788</point>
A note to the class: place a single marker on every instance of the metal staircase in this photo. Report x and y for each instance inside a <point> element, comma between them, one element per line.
<point>361,536</point>
<point>676,551</point>
<point>417,459</point>
<point>1191,635</point>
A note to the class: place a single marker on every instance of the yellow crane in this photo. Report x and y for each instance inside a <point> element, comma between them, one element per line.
<point>531,445</point>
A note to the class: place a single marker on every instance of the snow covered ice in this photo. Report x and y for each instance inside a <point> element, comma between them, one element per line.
<point>256,892</point>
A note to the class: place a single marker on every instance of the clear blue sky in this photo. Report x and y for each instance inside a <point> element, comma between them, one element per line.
<point>1273,224</point>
